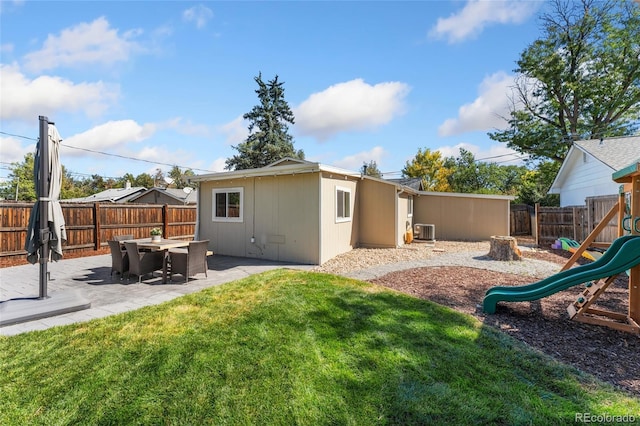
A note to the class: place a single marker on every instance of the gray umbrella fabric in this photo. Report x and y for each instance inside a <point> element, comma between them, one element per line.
<point>56,222</point>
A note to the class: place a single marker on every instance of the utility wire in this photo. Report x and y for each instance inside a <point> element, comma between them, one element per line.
<point>18,136</point>
<point>109,154</point>
<point>130,158</point>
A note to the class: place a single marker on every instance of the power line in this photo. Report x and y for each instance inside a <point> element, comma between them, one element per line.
<point>131,158</point>
<point>110,154</point>
<point>19,136</point>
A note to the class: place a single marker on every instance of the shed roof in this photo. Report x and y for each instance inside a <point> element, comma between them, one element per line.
<point>290,166</point>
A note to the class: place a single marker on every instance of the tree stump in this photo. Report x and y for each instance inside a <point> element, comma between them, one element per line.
<point>504,248</point>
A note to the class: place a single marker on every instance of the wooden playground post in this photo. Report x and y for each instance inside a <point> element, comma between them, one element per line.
<point>631,175</point>
<point>581,309</point>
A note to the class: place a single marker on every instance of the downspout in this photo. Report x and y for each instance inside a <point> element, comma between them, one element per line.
<point>196,232</point>
<point>396,215</point>
<point>320,218</point>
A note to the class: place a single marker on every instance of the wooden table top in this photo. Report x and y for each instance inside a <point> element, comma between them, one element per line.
<point>163,244</point>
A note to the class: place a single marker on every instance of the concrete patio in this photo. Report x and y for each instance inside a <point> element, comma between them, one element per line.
<point>91,278</point>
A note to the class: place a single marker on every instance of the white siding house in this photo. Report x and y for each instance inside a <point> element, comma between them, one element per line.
<point>588,166</point>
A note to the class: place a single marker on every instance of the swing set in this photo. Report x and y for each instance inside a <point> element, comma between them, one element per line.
<point>628,211</point>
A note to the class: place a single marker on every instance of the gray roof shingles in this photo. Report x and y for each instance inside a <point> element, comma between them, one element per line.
<point>616,153</point>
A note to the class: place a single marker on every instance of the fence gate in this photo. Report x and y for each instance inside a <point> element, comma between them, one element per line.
<point>520,219</point>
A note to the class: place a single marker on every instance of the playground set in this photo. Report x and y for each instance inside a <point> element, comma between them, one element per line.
<point>623,255</point>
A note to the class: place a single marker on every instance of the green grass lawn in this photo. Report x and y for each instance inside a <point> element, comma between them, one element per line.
<point>288,347</point>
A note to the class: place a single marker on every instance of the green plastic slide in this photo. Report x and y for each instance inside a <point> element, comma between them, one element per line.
<point>623,254</point>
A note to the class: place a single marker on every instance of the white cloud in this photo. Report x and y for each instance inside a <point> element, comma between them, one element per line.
<point>6,48</point>
<point>353,105</point>
<point>477,14</point>
<point>354,162</point>
<point>186,127</point>
<point>236,131</point>
<point>10,6</point>
<point>217,165</point>
<point>199,14</point>
<point>12,151</point>
<point>85,43</point>
<point>25,99</point>
<point>499,153</point>
<point>487,111</point>
<point>109,136</point>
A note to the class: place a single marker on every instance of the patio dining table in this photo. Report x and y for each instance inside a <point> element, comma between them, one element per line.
<point>163,245</point>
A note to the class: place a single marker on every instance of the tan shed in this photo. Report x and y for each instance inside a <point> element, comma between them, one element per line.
<point>306,212</point>
<point>472,217</point>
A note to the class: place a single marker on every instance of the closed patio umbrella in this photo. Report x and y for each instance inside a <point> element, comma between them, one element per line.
<point>46,230</point>
<point>45,235</point>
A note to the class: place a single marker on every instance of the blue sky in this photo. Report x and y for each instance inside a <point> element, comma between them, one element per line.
<point>169,81</point>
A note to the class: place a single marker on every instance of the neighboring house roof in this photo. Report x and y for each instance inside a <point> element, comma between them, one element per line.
<point>190,197</point>
<point>289,166</point>
<point>617,153</point>
<point>114,195</point>
<point>614,153</point>
<point>415,182</point>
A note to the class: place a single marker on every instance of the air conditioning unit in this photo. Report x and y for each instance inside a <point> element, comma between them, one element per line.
<point>422,231</point>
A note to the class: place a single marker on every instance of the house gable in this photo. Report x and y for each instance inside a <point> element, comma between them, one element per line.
<point>588,166</point>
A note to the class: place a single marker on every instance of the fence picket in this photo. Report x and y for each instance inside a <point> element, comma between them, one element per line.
<point>89,226</point>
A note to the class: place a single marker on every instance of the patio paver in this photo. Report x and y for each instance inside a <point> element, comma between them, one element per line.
<point>91,276</point>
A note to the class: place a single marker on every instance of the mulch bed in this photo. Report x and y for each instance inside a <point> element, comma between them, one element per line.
<point>611,355</point>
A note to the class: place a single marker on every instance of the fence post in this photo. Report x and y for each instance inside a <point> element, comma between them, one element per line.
<point>165,220</point>
<point>537,224</point>
<point>96,221</point>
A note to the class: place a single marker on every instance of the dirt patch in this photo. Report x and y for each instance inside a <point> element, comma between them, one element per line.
<point>611,355</point>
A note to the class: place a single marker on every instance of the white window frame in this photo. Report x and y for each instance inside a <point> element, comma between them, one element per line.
<point>227,191</point>
<point>340,216</point>
<point>410,206</point>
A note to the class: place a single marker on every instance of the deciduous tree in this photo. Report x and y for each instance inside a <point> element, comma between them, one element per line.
<point>581,80</point>
<point>430,167</point>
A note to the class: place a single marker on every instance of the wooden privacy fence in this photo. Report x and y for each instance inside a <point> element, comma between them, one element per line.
<point>520,219</point>
<point>90,226</point>
<point>575,222</point>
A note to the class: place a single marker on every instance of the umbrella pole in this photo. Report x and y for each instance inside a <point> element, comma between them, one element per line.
<point>43,204</point>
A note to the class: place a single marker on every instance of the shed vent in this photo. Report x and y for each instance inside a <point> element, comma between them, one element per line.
<point>422,231</point>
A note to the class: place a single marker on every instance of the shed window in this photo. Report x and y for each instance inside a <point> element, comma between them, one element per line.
<point>343,204</point>
<point>410,207</point>
<point>227,204</point>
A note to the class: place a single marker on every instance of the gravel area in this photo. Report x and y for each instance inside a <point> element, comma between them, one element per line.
<point>367,264</point>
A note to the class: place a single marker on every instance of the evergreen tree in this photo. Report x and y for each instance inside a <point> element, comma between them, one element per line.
<point>268,139</point>
<point>371,169</point>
